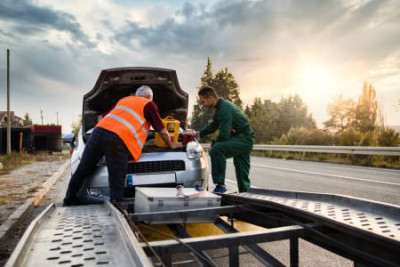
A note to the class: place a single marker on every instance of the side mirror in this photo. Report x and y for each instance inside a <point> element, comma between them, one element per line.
<point>69,139</point>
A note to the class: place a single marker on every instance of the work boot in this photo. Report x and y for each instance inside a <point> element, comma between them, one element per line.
<point>221,189</point>
<point>72,202</point>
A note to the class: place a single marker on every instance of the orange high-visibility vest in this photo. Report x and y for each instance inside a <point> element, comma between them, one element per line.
<point>127,120</point>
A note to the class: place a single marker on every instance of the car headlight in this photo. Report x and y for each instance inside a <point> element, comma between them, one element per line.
<point>194,150</point>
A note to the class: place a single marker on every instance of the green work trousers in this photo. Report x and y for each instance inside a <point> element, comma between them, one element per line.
<point>239,147</point>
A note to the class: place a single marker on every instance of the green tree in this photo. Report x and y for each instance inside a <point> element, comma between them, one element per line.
<point>366,111</point>
<point>262,116</point>
<point>27,121</point>
<point>258,118</point>
<point>292,113</point>
<point>200,117</point>
<point>76,125</point>
<point>342,116</point>
<point>271,120</point>
<point>207,78</point>
<point>224,84</point>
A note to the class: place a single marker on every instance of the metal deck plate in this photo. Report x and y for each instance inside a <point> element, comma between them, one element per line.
<point>383,221</point>
<point>79,236</point>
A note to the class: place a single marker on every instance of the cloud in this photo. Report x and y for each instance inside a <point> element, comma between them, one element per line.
<point>233,27</point>
<point>30,19</point>
<point>169,36</point>
<point>6,33</point>
<point>195,29</point>
<point>57,49</point>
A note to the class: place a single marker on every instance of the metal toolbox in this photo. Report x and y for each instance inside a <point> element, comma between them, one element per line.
<point>158,199</point>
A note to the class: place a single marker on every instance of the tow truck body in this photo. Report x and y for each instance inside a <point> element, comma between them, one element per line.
<point>366,232</point>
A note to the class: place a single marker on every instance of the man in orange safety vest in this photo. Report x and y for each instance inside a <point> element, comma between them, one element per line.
<point>121,132</point>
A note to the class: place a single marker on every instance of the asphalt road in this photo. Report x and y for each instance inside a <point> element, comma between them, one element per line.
<point>376,184</point>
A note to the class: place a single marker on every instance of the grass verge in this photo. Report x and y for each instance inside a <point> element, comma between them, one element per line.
<point>15,160</point>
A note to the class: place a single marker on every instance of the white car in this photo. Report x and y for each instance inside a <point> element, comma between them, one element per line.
<point>157,166</point>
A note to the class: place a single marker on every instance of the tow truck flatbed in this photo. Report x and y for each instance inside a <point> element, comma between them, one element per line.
<point>87,235</point>
<point>363,231</point>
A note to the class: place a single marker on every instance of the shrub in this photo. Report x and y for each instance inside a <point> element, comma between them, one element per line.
<point>388,137</point>
<point>349,137</point>
<point>305,136</point>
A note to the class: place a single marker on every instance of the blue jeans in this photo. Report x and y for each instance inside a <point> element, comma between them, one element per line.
<point>101,143</point>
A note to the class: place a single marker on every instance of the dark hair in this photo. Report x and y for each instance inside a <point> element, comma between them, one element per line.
<point>207,91</point>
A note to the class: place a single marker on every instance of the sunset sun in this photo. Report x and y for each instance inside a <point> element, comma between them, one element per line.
<point>316,80</point>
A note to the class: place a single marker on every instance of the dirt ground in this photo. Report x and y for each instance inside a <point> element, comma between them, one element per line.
<point>21,183</point>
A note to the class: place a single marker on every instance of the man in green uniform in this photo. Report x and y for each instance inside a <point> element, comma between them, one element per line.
<point>235,139</point>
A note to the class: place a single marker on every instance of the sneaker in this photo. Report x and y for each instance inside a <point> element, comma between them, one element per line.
<point>198,188</point>
<point>220,189</point>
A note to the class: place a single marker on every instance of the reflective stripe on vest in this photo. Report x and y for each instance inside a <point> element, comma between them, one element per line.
<point>133,113</point>
<point>128,122</point>
<point>130,127</point>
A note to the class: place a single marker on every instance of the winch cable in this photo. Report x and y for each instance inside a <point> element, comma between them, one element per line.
<point>132,224</point>
<point>134,227</point>
<point>308,227</point>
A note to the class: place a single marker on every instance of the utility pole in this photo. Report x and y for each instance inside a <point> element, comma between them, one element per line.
<point>8,105</point>
<point>57,117</point>
<point>41,116</point>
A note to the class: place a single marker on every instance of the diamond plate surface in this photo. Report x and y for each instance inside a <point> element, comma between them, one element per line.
<point>381,224</point>
<point>79,236</point>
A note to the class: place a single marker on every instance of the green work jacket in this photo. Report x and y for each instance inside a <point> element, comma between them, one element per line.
<point>229,119</point>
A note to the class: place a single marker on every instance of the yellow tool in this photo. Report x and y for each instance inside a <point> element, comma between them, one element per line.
<point>172,127</point>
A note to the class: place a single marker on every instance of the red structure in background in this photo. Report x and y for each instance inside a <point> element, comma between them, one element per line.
<point>47,138</point>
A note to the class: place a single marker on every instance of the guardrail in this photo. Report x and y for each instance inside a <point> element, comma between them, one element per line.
<point>355,150</point>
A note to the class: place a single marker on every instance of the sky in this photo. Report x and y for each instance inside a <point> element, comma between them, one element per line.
<point>274,48</point>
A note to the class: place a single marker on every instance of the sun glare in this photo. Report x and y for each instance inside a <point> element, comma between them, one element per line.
<point>316,80</point>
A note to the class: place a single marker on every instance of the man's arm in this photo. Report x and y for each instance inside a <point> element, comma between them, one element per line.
<point>210,128</point>
<point>151,114</point>
<point>225,125</point>
<point>166,138</point>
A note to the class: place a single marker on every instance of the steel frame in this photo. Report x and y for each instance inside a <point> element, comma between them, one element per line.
<point>284,222</point>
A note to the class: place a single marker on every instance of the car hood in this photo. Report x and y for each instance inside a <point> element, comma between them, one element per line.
<point>114,84</point>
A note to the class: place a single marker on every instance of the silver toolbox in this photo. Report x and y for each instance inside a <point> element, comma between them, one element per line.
<point>157,199</point>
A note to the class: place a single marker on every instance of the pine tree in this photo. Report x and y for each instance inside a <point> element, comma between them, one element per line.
<point>207,78</point>
<point>227,87</point>
<point>224,84</point>
<point>200,117</point>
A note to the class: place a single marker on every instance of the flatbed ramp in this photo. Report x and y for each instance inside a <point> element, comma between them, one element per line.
<point>90,235</point>
<point>366,232</point>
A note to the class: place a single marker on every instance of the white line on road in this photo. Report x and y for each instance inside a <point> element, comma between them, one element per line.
<point>326,174</point>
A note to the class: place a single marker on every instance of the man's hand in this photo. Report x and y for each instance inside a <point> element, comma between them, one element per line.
<point>175,145</point>
<point>167,139</point>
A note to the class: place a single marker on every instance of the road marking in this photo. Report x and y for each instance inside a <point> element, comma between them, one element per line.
<point>327,174</point>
